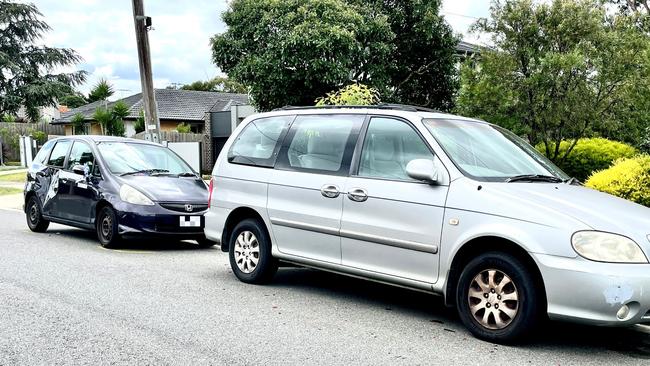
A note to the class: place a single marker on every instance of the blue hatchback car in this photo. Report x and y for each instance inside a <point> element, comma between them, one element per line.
<point>116,186</point>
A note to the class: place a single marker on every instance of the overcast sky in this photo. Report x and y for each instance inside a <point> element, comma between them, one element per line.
<point>102,32</point>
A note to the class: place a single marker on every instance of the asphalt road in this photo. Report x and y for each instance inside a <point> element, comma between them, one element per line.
<point>65,300</point>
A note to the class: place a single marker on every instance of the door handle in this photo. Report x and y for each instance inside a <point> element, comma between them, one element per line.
<point>330,191</point>
<point>358,194</point>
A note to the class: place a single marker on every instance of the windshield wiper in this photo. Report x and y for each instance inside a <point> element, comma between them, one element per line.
<point>534,178</point>
<point>146,171</point>
<point>186,174</point>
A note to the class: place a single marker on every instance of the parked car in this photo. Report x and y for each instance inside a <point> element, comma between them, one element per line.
<point>118,187</point>
<point>433,202</point>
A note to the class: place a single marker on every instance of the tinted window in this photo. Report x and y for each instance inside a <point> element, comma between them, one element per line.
<point>388,147</point>
<point>81,154</point>
<point>44,153</point>
<point>322,143</point>
<point>58,153</point>
<point>258,143</point>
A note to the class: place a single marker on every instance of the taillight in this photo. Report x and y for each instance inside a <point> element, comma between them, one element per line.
<point>210,189</point>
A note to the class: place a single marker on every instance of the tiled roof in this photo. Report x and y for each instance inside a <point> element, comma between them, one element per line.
<point>467,48</point>
<point>187,105</point>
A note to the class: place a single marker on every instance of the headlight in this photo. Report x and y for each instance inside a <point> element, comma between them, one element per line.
<point>132,195</point>
<point>606,247</point>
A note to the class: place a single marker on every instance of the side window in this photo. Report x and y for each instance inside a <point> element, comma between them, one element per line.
<point>259,143</point>
<point>43,154</point>
<point>389,146</point>
<point>57,158</point>
<point>322,143</point>
<point>81,154</point>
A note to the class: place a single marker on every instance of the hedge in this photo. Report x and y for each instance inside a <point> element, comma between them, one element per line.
<point>590,155</point>
<point>627,178</point>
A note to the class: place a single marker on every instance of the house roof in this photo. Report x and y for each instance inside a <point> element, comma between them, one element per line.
<point>466,48</point>
<point>186,105</point>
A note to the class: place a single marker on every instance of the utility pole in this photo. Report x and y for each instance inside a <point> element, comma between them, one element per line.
<point>142,25</point>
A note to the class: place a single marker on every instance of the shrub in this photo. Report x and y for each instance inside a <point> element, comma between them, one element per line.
<point>39,136</point>
<point>590,155</point>
<point>628,178</point>
<point>183,128</point>
<point>355,94</point>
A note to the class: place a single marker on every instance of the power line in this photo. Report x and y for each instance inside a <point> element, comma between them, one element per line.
<point>460,15</point>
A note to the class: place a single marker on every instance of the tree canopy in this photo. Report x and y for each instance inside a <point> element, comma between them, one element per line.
<point>28,74</point>
<point>102,90</point>
<point>217,84</point>
<point>559,71</point>
<point>295,51</point>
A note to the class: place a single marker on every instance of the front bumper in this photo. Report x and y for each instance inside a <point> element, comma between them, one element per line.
<point>589,292</point>
<point>157,221</point>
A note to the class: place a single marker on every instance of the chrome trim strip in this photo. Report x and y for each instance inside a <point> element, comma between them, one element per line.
<point>304,226</point>
<point>398,243</point>
<point>360,273</point>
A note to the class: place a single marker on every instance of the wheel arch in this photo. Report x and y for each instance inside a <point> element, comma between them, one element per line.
<point>483,244</point>
<point>236,216</point>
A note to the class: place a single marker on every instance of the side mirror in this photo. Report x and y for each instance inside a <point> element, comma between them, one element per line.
<point>422,169</point>
<point>81,170</point>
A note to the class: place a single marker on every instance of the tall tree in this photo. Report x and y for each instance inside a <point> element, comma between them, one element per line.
<point>73,100</point>
<point>294,51</point>
<point>28,74</point>
<point>423,62</point>
<point>101,91</point>
<point>217,84</point>
<point>558,71</point>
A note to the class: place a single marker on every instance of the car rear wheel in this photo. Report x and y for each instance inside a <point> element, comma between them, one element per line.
<point>107,227</point>
<point>498,299</point>
<point>250,253</point>
<point>35,220</point>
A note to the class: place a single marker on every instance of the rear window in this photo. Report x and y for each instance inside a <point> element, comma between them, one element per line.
<point>321,143</point>
<point>259,142</point>
<point>57,158</point>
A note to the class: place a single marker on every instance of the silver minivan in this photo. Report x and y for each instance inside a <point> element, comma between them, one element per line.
<point>432,202</point>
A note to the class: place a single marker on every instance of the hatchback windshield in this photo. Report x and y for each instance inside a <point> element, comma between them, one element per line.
<point>488,152</point>
<point>128,158</point>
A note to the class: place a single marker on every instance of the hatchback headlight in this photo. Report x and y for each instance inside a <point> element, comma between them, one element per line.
<point>132,195</point>
<point>607,247</point>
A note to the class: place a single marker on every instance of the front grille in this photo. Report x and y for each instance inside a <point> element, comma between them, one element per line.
<point>182,207</point>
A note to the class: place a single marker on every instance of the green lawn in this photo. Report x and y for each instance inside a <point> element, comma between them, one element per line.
<point>17,177</point>
<point>9,190</point>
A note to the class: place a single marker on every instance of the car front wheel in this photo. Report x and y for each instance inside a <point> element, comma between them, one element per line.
<point>498,299</point>
<point>250,253</point>
<point>107,227</point>
<point>35,220</point>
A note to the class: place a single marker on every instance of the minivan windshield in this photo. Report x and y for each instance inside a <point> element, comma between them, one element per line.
<point>129,158</point>
<point>491,153</point>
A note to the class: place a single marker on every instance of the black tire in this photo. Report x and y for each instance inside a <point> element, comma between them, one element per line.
<point>205,243</point>
<point>34,215</point>
<point>527,315</point>
<point>107,227</point>
<point>266,265</point>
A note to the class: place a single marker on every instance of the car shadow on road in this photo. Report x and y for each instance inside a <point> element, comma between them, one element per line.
<point>135,244</point>
<point>629,341</point>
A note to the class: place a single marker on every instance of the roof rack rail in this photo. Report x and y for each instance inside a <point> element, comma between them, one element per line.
<point>397,107</point>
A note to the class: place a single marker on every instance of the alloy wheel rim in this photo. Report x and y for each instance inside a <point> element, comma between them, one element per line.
<point>493,299</point>
<point>107,227</point>
<point>247,251</point>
